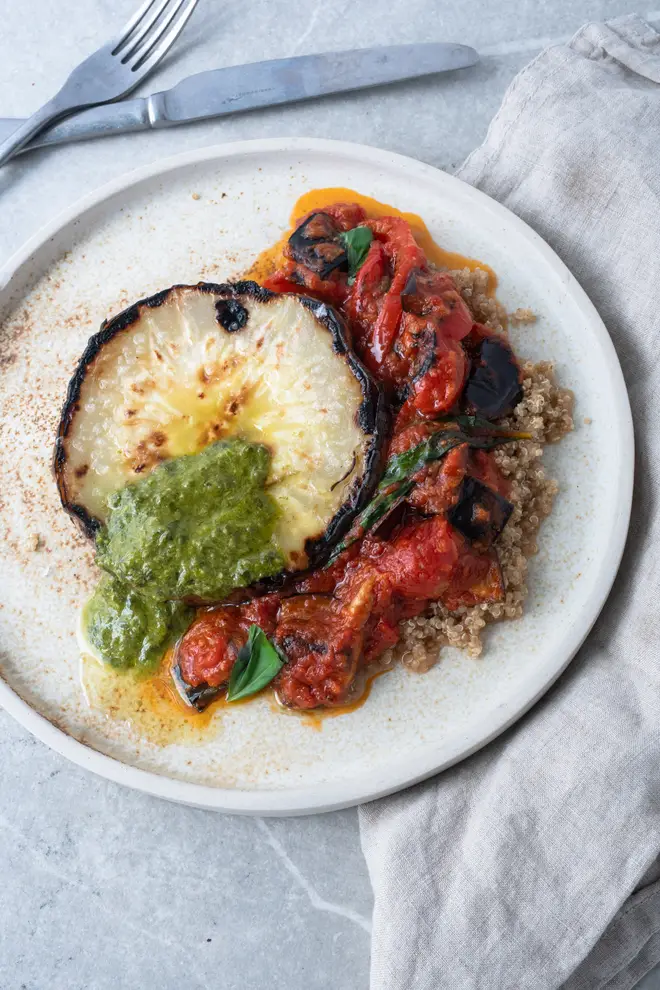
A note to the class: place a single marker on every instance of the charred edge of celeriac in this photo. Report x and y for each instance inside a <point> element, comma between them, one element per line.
<point>373,420</point>
<point>372,416</point>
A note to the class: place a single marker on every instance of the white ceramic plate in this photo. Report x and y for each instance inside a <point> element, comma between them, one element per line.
<point>141,234</point>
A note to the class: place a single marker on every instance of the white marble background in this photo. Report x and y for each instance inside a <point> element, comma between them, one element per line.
<point>100,887</point>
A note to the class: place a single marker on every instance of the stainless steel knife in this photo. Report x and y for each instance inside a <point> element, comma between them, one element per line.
<point>219,92</point>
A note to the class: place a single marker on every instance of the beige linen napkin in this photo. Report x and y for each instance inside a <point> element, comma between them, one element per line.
<point>504,872</point>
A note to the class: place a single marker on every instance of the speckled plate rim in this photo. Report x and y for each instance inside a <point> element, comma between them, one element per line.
<point>422,764</point>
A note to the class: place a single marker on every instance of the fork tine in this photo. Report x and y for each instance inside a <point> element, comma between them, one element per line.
<point>134,43</point>
<point>130,25</point>
<point>155,52</point>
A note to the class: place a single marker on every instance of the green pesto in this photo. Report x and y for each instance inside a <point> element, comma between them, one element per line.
<point>197,527</point>
<point>130,631</point>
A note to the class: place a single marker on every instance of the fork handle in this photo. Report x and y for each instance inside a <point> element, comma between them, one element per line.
<point>45,115</point>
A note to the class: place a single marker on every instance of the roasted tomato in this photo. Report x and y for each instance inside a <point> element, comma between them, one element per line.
<point>477,579</point>
<point>414,565</point>
<point>322,638</point>
<point>438,387</point>
<point>206,654</point>
<point>440,483</point>
<point>295,278</point>
<point>433,295</point>
<point>374,302</point>
<point>365,298</point>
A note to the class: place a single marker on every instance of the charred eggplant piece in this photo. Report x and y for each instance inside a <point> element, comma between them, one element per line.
<point>479,513</point>
<point>494,387</point>
<point>199,697</point>
<point>316,245</point>
<point>195,364</point>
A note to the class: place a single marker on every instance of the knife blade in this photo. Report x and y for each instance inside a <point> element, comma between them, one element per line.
<point>234,89</point>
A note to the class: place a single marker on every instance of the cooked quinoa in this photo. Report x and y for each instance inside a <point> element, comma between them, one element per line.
<point>522,315</point>
<point>474,286</point>
<point>546,411</point>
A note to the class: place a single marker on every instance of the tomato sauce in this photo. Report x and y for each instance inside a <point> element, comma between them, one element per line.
<point>436,542</point>
<point>271,259</point>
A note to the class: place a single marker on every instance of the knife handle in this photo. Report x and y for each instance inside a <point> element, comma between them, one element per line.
<point>109,118</point>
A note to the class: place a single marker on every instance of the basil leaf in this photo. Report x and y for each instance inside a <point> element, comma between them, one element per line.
<point>473,430</point>
<point>415,458</point>
<point>382,505</point>
<point>356,243</point>
<point>481,426</point>
<point>237,676</point>
<point>257,663</point>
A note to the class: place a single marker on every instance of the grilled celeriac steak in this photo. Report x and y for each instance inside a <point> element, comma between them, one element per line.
<point>194,364</point>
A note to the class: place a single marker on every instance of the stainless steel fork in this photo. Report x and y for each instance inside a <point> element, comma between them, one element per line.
<point>113,70</point>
